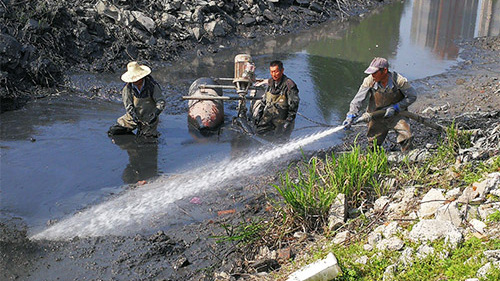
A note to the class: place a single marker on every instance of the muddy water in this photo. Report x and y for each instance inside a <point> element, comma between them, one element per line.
<point>56,157</point>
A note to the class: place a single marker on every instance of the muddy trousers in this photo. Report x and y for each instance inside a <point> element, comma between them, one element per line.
<point>125,124</point>
<point>379,128</point>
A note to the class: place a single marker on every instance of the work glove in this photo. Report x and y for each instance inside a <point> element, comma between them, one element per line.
<point>154,116</point>
<point>135,118</point>
<point>366,117</point>
<point>348,121</point>
<point>391,110</point>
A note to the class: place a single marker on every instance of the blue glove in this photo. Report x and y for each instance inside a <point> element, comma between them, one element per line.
<point>391,110</point>
<point>348,121</point>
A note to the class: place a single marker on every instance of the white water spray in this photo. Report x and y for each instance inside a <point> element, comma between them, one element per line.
<point>136,207</point>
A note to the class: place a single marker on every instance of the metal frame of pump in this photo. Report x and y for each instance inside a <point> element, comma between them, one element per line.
<point>243,80</point>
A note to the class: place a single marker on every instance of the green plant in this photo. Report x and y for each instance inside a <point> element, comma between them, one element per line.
<point>448,147</point>
<point>350,172</point>
<point>245,232</point>
<point>308,197</point>
<point>493,274</point>
<point>460,263</point>
<point>495,217</point>
<point>473,173</point>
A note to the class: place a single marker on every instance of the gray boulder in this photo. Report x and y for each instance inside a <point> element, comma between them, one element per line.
<point>430,230</point>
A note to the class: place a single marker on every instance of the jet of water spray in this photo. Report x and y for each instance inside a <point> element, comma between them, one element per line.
<point>135,208</point>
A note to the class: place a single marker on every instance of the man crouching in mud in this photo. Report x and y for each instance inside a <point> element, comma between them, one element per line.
<point>143,103</point>
<point>389,91</point>
<point>276,116</point>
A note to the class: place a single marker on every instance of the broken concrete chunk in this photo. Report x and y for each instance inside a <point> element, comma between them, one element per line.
<point>325,269</point>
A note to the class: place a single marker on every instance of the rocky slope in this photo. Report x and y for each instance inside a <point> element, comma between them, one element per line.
<point>450,210</point>
<point>41,40</point>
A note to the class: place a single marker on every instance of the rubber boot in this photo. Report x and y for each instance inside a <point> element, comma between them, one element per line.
<point>119,130</point>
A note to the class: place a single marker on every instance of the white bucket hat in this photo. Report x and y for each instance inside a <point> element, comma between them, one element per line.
<point>135,72</point>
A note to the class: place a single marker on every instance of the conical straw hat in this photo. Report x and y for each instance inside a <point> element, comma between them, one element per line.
<point>135,72</point>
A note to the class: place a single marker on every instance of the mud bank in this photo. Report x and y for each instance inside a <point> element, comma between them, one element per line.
<point>41,40</point>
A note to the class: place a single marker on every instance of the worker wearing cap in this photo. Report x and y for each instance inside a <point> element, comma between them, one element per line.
<point>143,101</point>
<point>384,90</point>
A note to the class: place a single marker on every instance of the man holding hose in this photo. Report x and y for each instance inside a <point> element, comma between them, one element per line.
<point>384,90</point>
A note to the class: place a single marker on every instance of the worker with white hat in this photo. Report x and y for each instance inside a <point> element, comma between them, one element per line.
<point>143,101</point>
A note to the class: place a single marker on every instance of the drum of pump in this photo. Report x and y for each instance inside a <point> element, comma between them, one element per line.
<point>205,115</point>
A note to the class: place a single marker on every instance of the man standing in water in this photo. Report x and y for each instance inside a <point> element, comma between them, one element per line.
<point>276,115</point>
<point>384,90</point>
<point>143,103</point>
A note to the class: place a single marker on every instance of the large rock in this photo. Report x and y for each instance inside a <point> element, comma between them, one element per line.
<point>248,20</point>
<point>315,6</point>
<point>341,237</point>
<point>391,244</point>
<point>483,271</point>
<point>391,229</point>
<point>492,255</point>
<point>453,194</point>
<point>108,10</point>
<point>338,212</point>
<point>10,52</point>
<point>216,28</point>
<point>144,21</point>
<point>424,250</point>
<point>480,189</point>
<point>197,33</point>
<point>430,230</point>
<point>430,203</point>
<point>374,238</point>
<point>478,225</point>
<point>271,16</point>
<point>380,203</point>
<point>169,21</point>
<point>450,212</point>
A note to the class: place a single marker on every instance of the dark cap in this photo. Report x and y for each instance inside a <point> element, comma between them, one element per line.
<point>376,64</point>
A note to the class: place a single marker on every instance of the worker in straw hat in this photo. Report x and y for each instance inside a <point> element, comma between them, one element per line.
<point>143,101</point>
<point>384,90</point>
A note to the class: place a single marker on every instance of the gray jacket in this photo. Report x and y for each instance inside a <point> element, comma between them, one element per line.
<point>396,82</point>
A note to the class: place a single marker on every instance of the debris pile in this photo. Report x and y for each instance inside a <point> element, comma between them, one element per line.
<point>39,39</point>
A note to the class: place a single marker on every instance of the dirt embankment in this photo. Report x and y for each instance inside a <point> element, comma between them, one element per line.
<point>473,85</point>
<point>39,40</point>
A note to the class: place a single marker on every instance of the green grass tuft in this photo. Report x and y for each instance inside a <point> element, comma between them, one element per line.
<point>309,195</point>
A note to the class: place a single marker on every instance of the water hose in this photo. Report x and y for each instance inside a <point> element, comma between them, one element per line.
<point>367,116</point>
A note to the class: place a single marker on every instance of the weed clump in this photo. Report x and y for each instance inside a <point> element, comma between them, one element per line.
<point>309,196</point>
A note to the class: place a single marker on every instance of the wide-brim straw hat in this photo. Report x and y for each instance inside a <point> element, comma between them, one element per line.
<point>135,72</point>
